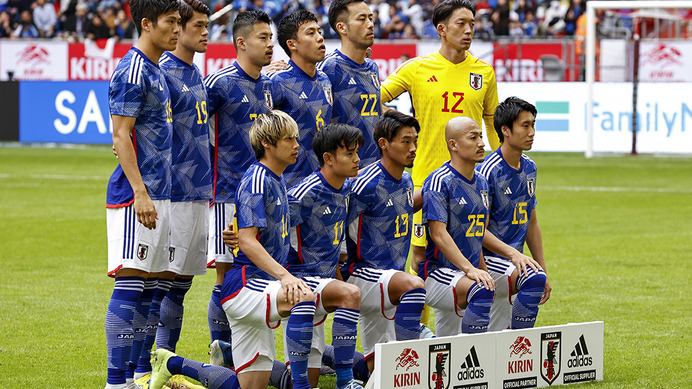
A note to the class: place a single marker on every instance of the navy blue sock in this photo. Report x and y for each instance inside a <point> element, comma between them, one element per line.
<point>140,323</point>
<point>299,339</point>
<point>344,334</point>
<point>171,319</point>
<point>218,322</point>
<point>407,317</point>
<point>144,361</point>
<point>360,367</point>
<point>119,332</point>
<point>477,315</point>
<point>525,307</point>
<point>210,376</point>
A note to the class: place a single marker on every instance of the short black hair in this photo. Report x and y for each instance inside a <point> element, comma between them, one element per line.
<point>188,9</point>
<point>245,21</point>
<point>389,125</point>
<point>151,10</point>
<point>508,111</point>
<point>333,136</point>
<point>443,10</point>
<point>288,27</point>
<point>337,9</point>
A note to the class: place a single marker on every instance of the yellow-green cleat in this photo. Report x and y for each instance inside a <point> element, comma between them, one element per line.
<point>159,369</point>
<point>143,382</point>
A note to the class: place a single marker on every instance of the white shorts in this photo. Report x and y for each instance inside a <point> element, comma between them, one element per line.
<point>376,311</point>
<point>133,246</point>
<point>441,294</point>
<point>220,215</point>
<point>317,285</point>
<point>501,311</point>
<point>189,229</point>
<point>253,315</point>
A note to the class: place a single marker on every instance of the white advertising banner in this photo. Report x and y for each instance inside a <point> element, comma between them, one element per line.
<point>667,61</point>
<point>34,60</point>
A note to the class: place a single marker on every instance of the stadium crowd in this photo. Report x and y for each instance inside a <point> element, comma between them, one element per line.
<point>75,20</point>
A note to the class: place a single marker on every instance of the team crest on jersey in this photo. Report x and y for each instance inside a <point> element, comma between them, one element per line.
<point>328,95</point>
<point>531,184</point>
<point>439,366</point>
<point>375,79</point>
<point>142,251</point>
<point>409,196</point>
<point>476,81</point>
<point>171,254</point>
<point>484,197</point>
<point>418,230</point>
<point>268,99</point>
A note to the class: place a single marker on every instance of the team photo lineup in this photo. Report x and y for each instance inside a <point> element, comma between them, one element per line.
<point>307,196</point>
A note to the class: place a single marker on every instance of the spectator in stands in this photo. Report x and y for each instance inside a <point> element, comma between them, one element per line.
<point>575,10</point>
<point>45,18</point>
<point>515,28</point>
<point>483,30</point>
<point>554,17</point>
<point>529,25</point>
<point>96,29</point>
<point>377,22</point>
<point>26,27</point>
<point>521,7</point>
<point>414,13</point>
<point>15,8</point>
<point>5,24</point>
<point>124,28</point>
<point>76,21</point>
<point>500,18</point>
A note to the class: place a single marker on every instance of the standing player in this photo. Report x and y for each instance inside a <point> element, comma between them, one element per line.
<point>238,94</point>
<point>257,292</point>
<point>190,183</point>
<point>355,78</point>
<point>301,90</point>
<point>455,210</point>
<point>445,84</point>
<point>139,190</point>
<point>512,179</point>
<point>318,214</point>
<point>378,238</point>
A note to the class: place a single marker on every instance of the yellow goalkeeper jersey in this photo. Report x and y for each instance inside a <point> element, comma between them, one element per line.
<point>441,90</point>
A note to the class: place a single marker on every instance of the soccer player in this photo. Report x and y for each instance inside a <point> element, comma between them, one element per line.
<point>257,292</point>
<point>445,84</point>
<point>355,78</point>
<point>301,90</point>
<point>455,210</point>
<point>319,205</point>
<point>512,191</point>
<point>139,190</point>
<point>378,238</point>
<point>166,364</point>
<point>238,94</point>
<point>190,183</point>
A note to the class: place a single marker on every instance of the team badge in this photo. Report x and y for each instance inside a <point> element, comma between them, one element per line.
<point>171,254</point>
<point>476,81</point>
<point>418,230</point>
<point>438,368</point>
<point>550,356</point>
<point>531,184</point>
<point>409,195</point>
<point>328,95</point>
<point>484,197</point>
<point>268,101</point>
<point>375,79</point>
<point>142,251</point>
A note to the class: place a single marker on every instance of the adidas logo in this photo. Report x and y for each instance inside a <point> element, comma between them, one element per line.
<point>463,201</point>
<point>185,88</point>
<point>432,79</point>
<point>471,368</point>
<point>327,211</point>
<point>580,355</point>
<point>245,99</point>
<point>351,81</point>
<point>303,96</point>
<point>389,203</point>
<point>508,191</point>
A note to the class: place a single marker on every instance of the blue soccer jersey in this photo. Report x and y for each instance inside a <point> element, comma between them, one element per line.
<point>261,202</point>
<point>191,166</point>
<point>309,101</point>
<point>380,216</point>
<point>512,196</point>
<point>357,101</point>
<point>138,89</point>
<point>318,216</point>
<point>450,198</point>
<point>235,101</point>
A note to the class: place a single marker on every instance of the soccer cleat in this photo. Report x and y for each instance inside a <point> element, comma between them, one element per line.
<point>220,354</point>
<point>425,332</point>
<point>143,382</point>
<point>180,381</point>
<point>352,384</point>
<point>159,369</point>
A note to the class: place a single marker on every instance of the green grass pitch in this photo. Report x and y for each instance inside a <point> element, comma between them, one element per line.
<point>617,236</point>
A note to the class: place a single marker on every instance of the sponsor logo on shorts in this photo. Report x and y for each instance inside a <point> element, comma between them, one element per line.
<point>550,356</point>
<point>142,251</point>
<point>438,368</point>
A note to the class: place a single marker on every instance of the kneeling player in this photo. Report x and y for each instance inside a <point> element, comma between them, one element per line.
<point>455,210</point>
<point>378,238</point>
<point>512,191</point>
<point>318,214</point>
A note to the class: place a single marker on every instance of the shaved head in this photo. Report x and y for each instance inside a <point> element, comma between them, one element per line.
<point>458,126</point>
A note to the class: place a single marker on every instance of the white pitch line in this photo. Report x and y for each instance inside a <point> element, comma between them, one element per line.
<point>613,189</point>
<point>53,177</point>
